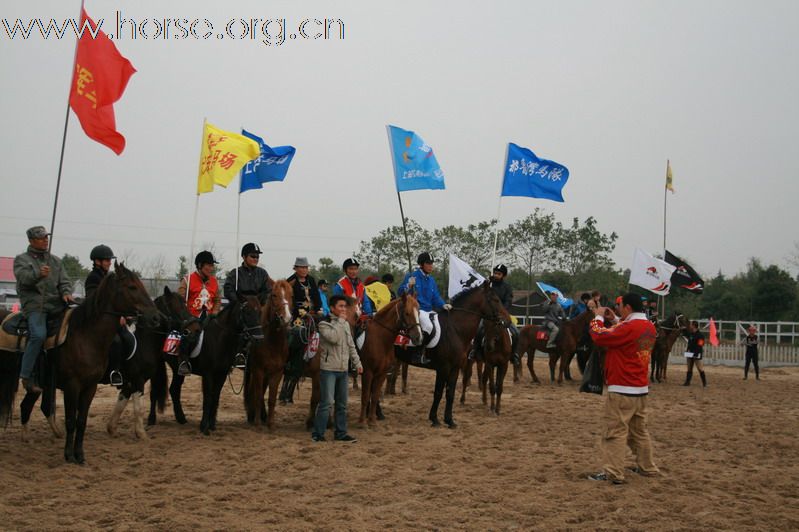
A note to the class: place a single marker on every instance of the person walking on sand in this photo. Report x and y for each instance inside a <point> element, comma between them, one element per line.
<point>750,341</point>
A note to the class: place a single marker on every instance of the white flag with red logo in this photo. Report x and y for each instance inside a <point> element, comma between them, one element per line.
<point>651,273</point>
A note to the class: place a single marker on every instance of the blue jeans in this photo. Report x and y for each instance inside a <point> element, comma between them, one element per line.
<point>333,386</point>
<point>37,326</point>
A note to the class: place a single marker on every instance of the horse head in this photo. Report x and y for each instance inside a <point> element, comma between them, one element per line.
<point>278,306</point>
<point>173,309</point>
<point>249,317</point>
<point>127,296</point>
<point>408,315</point>
<point>492,307</point>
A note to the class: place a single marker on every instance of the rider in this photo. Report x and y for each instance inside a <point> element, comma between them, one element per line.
<point>249,278</point>
<point>124,342</point>
<point>201,292</point>
<point>505,294</point>
<point>581,306</point>
<point>350,285</point>
<point>322,284</point>
<point>305,302</point>
<point>43,289</point>
<point>553,315</point>
<point>422,281</point>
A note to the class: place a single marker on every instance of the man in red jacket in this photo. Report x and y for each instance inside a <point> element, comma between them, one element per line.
<point>629,345</point>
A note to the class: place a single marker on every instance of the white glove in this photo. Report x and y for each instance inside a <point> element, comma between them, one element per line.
<point>447,306</point>
<point>411,282</point>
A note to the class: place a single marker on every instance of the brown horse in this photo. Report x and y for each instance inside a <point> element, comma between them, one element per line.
<point>497,351</point>
<point>80,363</point>
<point>268,357</point>
<point>668,331</point>
<point>397,370</point>
<point>571,331</point>
<point>377,353</point>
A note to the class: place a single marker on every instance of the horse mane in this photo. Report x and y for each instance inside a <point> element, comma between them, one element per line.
<point>460,296</point>
<point>88,311</point>
<point>389,306</point>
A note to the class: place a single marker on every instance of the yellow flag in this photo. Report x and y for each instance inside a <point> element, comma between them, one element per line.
<point>669,185</point>
<point>379,294</point>
<point>222,156</point>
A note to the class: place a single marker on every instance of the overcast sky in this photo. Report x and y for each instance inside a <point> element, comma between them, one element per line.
<point>610,89</point>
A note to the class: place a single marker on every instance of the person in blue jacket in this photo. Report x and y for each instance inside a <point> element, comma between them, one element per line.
<point>426,289</point>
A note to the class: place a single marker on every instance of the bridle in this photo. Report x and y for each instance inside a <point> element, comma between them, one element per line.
<point>675,324</point>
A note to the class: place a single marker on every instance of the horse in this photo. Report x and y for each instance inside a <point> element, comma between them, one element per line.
<point>377,353</point>
<point>565,345</point>
<point>78,365</point>
<point>398,369</point>
<point>223,336</point>
<point>668,331</point>
<point>268,357</point>
<point>146,361</point>
<point>497,352</point>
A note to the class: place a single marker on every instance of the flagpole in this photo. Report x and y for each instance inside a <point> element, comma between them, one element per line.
<point>238,222</point>
<point>64,137</point>
<point>399,199</point>
<point>665,196</point>
<point>197,200</point>
<point>499,208</point>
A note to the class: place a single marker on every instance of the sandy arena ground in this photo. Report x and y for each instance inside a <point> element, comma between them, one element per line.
<point>728,456</point>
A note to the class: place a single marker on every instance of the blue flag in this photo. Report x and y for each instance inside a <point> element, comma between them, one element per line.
<point>527,175</point>
<point>415,166</point>
<point>565,302</point>
<point>272,165</point>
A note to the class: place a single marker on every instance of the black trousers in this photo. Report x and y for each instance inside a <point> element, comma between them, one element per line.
<point>751,357</point>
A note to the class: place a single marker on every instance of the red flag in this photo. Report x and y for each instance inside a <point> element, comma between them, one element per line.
<point>100,77</point>
<point>714,337</point>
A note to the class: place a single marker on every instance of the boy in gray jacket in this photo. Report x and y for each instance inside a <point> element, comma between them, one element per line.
<point>336,349</point>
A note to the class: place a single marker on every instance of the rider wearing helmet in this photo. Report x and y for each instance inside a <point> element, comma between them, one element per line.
<point>505,294</point>
<point>426,289</point>
<point>202,299</point>
<point>350,285</point>
<point>249,277</point>
<point>101,257</point>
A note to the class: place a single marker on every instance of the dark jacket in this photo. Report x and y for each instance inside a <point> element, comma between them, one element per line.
<point>696,344</point>
<point>554,312</point>
<point>300,300</point>
<point>504,293</point>
<point>38,293</point>
<point>253,281</point>
<point>93,280</point>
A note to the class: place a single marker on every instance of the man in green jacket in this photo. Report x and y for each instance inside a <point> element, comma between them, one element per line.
<point>44,290</point>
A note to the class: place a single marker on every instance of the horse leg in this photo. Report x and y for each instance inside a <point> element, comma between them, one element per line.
<point>255,394</point>
<point>480,370</point>
<point>437,393</point>
<point>25,410</point>
<point>138,414</point>
<point>564,362</point>
<point>484,376</point>
<point>391,382</point>
<point>366,394</point>
<point>355,382</point>
<point>553,361</point>
<point>567,372</point>
<point>377,388</point>
<point>205,422</point>
<point>467,377</point>
<point>452,384</point>
<point>502,370</point>
<point>404,378</point>
<point>119,407</point>
<point>84,402</point>
<point>274,384</point>
<point>665,365</point>
<point>531,367</point>
<point>70,419</point>
<point>174,392</point>
<point>316,393</point>
<point>219,382</point>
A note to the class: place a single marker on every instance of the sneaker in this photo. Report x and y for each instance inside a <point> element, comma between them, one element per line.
<point>115,378</point>
<point>240,361</point>
<point>639,471</point>
<point>31,386</point>
<point>184,369</point>
<point>317,437</point>
<point>604,476</point>
<point>347,438</point>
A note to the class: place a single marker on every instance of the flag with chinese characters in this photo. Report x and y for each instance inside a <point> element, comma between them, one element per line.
<point>100,77</point>
<point>271,165</point>
<point>222,155</point>
<point>651,273</point>
<point>669,179</point>
<point>415,166</point>
<point>527,175</point>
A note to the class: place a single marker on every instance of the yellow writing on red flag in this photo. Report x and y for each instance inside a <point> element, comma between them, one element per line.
<point>222,156</point>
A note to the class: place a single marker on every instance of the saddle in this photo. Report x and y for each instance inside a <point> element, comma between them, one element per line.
<point>14,331</point>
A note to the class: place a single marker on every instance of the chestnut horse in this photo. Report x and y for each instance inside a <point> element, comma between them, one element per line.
<point>268,358</point>
<point>571,331</point>
<point>377,353</point>
<point>497,351</point>
<point>78,365</point>
<point>668,331</point>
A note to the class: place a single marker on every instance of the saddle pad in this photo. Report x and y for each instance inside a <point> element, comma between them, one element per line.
<point>541,334</point>
<point>14,343</point>
<point>430,327</point>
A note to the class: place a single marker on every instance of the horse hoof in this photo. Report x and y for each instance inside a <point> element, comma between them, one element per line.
<point>452,425</point>
<point>151,421</point>
<point>435,423</point>
<point>181,420</point>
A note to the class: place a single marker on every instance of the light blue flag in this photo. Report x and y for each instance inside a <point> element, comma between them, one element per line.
<point>527,175</point>
<point>272,165</point>
<point>415,166</point>
<point>565,302</point>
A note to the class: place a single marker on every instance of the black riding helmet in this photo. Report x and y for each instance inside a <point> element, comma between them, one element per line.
<point>101,252</point>
<point>424,258</point>
<point>350,262</point>
<point>204,257</point>
<point>501,268</point>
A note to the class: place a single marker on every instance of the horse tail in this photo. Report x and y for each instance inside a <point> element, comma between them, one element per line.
<point>9,383</point>
<point>158,386</point>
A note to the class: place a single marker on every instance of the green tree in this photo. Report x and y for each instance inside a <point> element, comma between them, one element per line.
<point>183,267</point>
<point>581,247</point>
<point>73,268</point>
<point>774,294</point>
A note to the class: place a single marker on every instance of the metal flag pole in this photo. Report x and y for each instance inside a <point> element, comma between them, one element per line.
<point>665,196</point>
<point>238,223</point>
<point>197,200</point>
<point>399,199</point>
<point>499,208</point>
<point>64,137</point>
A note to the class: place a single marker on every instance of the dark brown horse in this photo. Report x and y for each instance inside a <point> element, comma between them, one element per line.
<point>497,351</point>
<point>377,353</point>
<point>268,358</point>
<point>80,363</point>
<point>571,331</point>
<point>668,331</point>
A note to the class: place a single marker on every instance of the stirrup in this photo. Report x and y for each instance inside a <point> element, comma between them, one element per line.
<point>115,378</point>
<point>240,361</point>
<point>184,369</point>
<point>423,360</point>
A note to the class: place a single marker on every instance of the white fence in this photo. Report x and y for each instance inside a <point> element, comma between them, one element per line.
<point>729,354</point>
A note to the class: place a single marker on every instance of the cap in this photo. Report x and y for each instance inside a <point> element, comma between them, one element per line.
<point>369,280</point>
<point>618,300</point>
<point>350,262</point>
<point>301,262</point>
<point>101,252</point>
<point>250,249</point>
<point>37,231</point>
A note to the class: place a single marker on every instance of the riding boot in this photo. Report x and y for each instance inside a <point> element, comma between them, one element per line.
<point>184,368</point>
<point>689,376</point>
<point>704,379</point>
<point>290,393</point>
<point>284,390</point>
